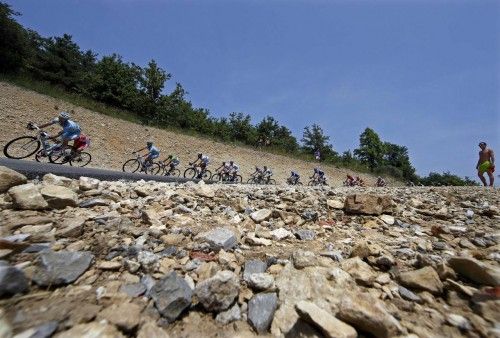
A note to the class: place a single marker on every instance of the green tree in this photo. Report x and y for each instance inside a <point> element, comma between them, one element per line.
<point>271,133</point>
<point>59,60</point>
<point>14,43</point>
<point>371,149</point>
<point>115,82</point>
<point>445,179</point>
<point>242,129</point>
<point>397,156</point>
<point>153,80</point>
<point>314,139</point>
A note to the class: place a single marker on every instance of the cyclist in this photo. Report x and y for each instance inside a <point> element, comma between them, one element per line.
<point>152,153</point>
<point>172,161</point>
<point>359,182</point>
<point>350,180</point>
<point>318,175</point>
<point>70,129</point>
<point>380,182</point>
<point>233,170</point>
<point>294,178</point>
<point>266,174</point>
<point>223,169</point>
<point>204,161</point>
<point>257,173</point>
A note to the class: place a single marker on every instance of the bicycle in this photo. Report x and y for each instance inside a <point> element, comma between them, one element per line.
<point>259,179</point>
<point>167,170</point>
<point>289,181</point>
<point>316,181</point>
<point>194,172</point>
<point>134,164</point>
<point>226,178</point>
<point>26,146</point>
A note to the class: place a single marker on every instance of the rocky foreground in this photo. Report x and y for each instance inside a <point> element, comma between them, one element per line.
<point>84,258</point>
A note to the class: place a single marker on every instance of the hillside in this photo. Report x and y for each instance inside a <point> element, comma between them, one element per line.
<point>113,139</point>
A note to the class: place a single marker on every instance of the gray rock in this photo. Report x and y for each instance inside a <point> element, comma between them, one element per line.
<point>219,238</point>
<point>62,267</point>
<point>229,316</point>
<point>253,266</point>
<point>310,216</point>
<point>10,178</point>
<point>133,290</point>
<point>41,331</point>
<point>218,292</point>
<point>27,197</point>
<point>261,310</point>
<point>12,280</point>
<point>260,215</point>
<point>305,235</point>
<point>172,295</point>
<point>148,283</point>
<point>336,255</point>
<point>59,197</point>
<point>475,270</point>
<point>88,183</point>
<point>408,295</point>
<point>261,281</point>
<point>94,202</point>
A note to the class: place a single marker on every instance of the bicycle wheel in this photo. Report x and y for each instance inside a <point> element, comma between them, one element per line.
<point>131,166</point>
<point>58,157</point>
<point>311,183</point>
<point>206,175</point>
<point>175,173</point>
<point>238,179</point>
<point>153,169</point>
<point>271,181</point>
<point>251,181</point>
<point>81,161</point>
<point>21,147</point>
<point>190,173</point>
<point>41,157</point>
<point>216,177</point>
<point>298,183</point>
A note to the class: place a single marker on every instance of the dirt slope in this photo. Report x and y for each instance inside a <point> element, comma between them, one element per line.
<point>113,140</point>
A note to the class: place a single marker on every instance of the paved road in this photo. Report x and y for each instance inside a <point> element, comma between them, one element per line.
<point>33,169</point>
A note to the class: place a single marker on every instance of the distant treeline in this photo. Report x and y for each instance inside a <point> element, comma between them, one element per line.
<point>140,90</point>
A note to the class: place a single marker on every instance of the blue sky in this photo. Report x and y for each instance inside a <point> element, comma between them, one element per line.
<point>425,74</point>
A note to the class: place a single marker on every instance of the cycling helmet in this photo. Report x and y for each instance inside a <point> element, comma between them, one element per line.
<point>231,162</point>
<point>223,163</point>
<point>265,167</point>
<point>200,155</point>
<point>316,170</point>
<point>170,156</point>
<point>149,143</point>
<point>64,115</point>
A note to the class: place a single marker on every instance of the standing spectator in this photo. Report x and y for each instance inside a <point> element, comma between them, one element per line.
<point>317,155</point>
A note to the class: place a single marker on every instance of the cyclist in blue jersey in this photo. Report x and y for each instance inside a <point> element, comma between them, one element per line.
<point>319,175</point>
<point>152,153</point>
<point>294,178</point>
<point>70,129</point>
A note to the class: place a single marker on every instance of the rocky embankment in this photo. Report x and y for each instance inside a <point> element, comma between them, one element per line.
<point>84,258</point>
